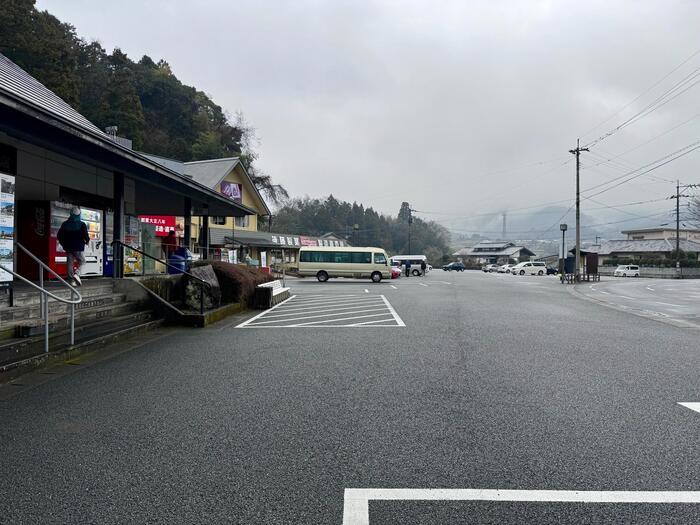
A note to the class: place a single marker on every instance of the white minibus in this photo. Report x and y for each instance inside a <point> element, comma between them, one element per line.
<point>325,262</point>
<point>400,260</point>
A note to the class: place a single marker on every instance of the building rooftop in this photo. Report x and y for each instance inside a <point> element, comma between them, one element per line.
<point>658,229</point>
<point>640,245</point>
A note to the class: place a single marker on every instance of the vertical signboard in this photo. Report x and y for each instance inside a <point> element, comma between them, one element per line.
<point>7,225</point>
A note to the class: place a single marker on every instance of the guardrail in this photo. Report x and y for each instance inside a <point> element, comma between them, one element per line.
<point>75,297</point>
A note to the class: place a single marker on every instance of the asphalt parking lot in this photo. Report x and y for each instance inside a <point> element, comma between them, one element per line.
<point>501,400</point>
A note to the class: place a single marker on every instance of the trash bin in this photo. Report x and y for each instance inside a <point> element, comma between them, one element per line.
<point>176,264</point>
<point>186,255</point>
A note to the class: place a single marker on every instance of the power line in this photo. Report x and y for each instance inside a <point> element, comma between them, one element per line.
<point>696,146</point>
<point>644,92</point>
<point>658,103</point>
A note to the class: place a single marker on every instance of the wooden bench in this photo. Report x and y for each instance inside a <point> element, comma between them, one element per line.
<point>269,294</point>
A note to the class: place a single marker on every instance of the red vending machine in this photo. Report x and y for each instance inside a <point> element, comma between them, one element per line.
<point>39,222</point>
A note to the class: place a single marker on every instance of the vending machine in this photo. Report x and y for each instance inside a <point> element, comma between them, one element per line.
<point>94,254</point>
<point>38,225</point>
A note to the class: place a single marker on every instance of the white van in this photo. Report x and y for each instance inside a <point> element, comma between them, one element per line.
<point>359,263</point>
<point>627,270</point>
<point>529,268</point>
<point>416,260</point>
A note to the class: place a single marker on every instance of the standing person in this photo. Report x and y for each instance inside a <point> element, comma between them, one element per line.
<point>423,267</point>
<point>408,268</point>
<point>169,245</point>
<point>73,236</point>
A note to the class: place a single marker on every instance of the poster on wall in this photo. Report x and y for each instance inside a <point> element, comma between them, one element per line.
<point>232,190</point>
<point>7,225</point>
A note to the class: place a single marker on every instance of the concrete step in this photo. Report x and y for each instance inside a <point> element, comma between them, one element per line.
<point>27,296</point>
<point>30,311</point>
<point>61,320</point>
<point>21,348</point>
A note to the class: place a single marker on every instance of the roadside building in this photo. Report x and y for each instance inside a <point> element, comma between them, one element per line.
<point>641,251</point>
<point>278,249</point>
<point>228,177</point>
<point>685,234</point>
<point>494,252</point>
<point>53,158</point>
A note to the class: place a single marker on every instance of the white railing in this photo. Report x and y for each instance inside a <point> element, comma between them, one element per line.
<point>75,297</point>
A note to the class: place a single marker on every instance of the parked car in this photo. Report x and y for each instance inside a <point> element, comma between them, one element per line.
<point>456,266</point>
<point>395,272</point>
<point>627,270</point>
<point>490,268</point>
<point>505,268</point>
<point>529,268</point>
<point>552,271</point>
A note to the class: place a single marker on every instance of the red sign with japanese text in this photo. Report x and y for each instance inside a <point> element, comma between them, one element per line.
<point>163,223</point>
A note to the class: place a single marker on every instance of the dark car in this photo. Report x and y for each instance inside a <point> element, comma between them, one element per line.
<point>552,271</point>
<point>456,266</point>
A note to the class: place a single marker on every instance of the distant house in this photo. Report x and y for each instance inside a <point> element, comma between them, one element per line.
<point>494,252</point>
<point>636,249</point>
<point>687,234</point>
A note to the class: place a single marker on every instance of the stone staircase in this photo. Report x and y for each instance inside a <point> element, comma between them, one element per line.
<point>102,314</point>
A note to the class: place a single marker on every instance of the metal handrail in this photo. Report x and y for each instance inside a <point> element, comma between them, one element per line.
<point>201,282</point>
<point>45,294</point>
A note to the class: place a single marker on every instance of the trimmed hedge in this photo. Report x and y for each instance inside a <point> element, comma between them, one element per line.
<point>237,281</point>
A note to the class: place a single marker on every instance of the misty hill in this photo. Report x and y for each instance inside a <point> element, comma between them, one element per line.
<point>543,224</point>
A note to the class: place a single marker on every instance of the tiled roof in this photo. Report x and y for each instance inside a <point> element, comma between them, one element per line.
<point>641,246</point>
<point>17,83</point>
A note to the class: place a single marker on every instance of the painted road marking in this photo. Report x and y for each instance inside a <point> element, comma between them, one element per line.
<point>366,290</point>
<point>348,311</point>
<point>394,287</point>
<point>423,284</point>
<point>356,501</point>
<point>691,406</point>
<point>650,288</point>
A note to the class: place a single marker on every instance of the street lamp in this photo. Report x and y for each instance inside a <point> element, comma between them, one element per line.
<point>562,264</point>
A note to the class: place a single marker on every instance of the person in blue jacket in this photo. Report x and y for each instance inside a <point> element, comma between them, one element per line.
<point>73,236</point>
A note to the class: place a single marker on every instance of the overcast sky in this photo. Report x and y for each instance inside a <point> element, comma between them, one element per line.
<point>435,103</point>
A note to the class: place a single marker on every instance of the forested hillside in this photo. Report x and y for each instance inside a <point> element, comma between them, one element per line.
<point>144,99</point>
<point>318,216</point>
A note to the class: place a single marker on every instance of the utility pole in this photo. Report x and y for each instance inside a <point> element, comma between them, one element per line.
<point>410,221</point>
<point>577,262</point>
<point>678,196</point>
<point>503,233</point>
<point>678,226</point>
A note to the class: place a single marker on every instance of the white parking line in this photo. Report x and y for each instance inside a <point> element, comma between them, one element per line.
<point>306,306</point>
<point>398,320</point>
<point>394,287</point>
<point>383,314</point>
<point>316,316</point>
<point>305,311</point>
<point>366,290</point>
<point>691,406</point>
<point>356,501</point>
<point>423,284</point>
<point>360,310</point>
<point>264,312</point>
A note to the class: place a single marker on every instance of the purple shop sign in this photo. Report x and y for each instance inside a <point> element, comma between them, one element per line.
<point>232,190</point>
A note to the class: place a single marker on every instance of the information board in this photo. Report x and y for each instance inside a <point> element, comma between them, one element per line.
<point>7,225</point>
